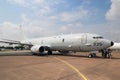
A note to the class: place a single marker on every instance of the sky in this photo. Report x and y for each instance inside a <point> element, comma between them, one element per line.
<point>42,18</point>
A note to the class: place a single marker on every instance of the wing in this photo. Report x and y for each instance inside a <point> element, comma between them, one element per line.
<point>14,42</point>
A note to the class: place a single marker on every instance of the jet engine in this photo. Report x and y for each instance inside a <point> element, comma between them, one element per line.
<point>37,49</point>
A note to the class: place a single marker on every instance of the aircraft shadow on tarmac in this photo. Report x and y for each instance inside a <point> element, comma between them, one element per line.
<point>54,54</point>
<point>82,56</point>
<point>15,54</point>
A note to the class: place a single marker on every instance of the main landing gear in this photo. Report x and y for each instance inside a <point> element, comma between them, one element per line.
<point>49,52</point>
<point>91,55</point>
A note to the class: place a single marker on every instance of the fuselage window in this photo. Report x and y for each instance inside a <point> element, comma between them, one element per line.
<point>98,37</point>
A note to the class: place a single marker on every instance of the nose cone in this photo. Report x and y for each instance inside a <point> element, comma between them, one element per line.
<point>107,43</point>
<point>112,43</point>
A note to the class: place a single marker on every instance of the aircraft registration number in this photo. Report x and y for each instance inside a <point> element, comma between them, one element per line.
<point>97,44</point>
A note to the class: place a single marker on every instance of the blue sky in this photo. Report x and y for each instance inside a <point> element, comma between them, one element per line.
<point>12,11</point>
<point>52,17</point>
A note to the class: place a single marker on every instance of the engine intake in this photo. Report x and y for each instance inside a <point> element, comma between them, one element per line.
<point>41,49</point>
<point>37,49</point>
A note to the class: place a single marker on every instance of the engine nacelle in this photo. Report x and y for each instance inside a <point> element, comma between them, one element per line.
<point>37,49</point>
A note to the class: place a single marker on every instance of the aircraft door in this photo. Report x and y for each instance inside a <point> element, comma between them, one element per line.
<point>83,42</point>
<point>84,39</point>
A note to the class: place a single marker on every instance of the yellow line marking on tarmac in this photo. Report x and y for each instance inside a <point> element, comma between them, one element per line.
<point>74,68</point>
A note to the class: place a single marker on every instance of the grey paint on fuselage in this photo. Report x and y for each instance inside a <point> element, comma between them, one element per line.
<point>72,42</point>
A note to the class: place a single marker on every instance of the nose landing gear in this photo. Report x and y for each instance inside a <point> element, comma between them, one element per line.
<point>106,53</point>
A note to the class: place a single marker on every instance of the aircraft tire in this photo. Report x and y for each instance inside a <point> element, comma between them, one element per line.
<point>94,55</point>
<point>49,52</point>
<point>90,55</point>
<point>34,54</point>
<point>104,55</point>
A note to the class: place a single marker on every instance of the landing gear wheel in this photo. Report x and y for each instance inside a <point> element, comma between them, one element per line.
<point>49,52</point>
<point>104,55</point>
<point>94,55</point>
<point>34,54</point>
<point>90,56</point>
<point>110,55</point>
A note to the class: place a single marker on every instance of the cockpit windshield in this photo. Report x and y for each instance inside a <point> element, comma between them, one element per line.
<point>97,37</point>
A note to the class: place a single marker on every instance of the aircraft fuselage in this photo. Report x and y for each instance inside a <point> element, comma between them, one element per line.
<point>71,42</point>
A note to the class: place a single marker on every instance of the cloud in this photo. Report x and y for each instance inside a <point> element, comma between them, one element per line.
<point>19,2</point>
<point>43,11</point>
<point>113,17</point>
<point>38,7</point>
<point>52,17</point>
<point>24,18</point>
<point>77,14</point>
<point>74,28</point>
<point>9,31</point>
<point>48,28</point>
<point>38,1</point>
<point>40,27</point>
<point>114,11</point>
<point>35,29</point>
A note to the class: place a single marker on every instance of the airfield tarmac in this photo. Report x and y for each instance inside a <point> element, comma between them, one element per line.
<point>19,65</point>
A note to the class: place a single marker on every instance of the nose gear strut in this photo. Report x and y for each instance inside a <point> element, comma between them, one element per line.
<point>106,53</point>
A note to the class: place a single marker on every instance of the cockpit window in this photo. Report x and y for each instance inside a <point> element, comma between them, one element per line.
<point>98,37</point>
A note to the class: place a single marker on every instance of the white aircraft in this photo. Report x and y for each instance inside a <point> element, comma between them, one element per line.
<point>84,42</point>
